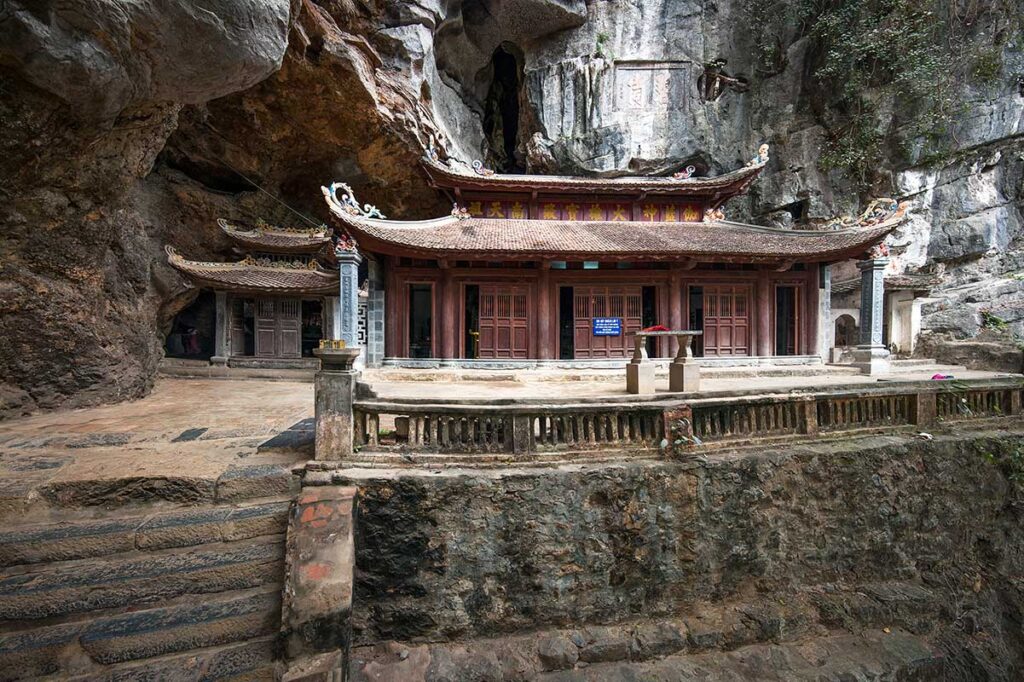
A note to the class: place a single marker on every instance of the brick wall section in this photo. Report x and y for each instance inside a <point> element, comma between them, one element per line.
<point>375,315</point>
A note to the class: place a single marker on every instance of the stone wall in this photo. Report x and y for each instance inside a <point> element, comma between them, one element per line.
<point>455,556</point>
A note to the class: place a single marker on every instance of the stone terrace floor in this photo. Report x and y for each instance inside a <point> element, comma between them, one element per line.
<point>202,429</point>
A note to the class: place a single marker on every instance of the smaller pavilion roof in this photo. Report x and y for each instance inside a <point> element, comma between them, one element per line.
<point>462,176</point>
<point>263,237</point>
<point>257,275</point>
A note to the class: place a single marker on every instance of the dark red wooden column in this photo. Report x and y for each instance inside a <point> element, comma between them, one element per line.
<point>449,327</point>
<point>544,307</point>
<point>764,313</point>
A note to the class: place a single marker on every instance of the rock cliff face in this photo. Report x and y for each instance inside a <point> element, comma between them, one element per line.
<point>127,127</point>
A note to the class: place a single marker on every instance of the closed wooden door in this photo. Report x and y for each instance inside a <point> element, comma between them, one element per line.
<point>504,322</point>
<point>266,328</point>
<point>289,328</point>
<point>278,328</point>
<point>622,302</point>
<point>727,320</point>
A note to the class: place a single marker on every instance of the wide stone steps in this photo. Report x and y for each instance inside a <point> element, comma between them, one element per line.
<point>147,591</point>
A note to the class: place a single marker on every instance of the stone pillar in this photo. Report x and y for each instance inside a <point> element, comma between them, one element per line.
<point>316,609</point>
<point>764,314</point>
<point>334,394</point>
<point>871,355</point>
<point>544,349</point>
<point>222,330</point>
<point>332,317</point>
<point>375,314</point>
<point>826,330</point>
<point>640,370</point>
<point>675,308</point>
<point>348,298</point>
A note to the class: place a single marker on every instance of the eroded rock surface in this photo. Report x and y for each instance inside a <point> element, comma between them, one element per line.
<point>126,127</point>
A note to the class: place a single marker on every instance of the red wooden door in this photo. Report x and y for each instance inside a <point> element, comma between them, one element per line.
<point>504,322</point>
<point>623,302</point>
<point>727,320</point>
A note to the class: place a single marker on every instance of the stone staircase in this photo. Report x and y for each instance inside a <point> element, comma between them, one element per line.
<point>149,590</point>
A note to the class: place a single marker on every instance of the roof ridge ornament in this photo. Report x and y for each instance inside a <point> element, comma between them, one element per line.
<point>761,158</point>
<point>712,215</point>
<point>685,173</point>
<point>348,202</point>
<point>460,212</point>
<point>878,211</point>
<point>478,168</point>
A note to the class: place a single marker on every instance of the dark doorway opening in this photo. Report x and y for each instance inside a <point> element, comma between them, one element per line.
<point>472,339</point>
<point>649,317</point>
<point>785,321</point>
<point>421,321</point>
<point>192,332</point>
<point>566,324</point>
<point>501,111</point>
<point>243,326</point>
<point>696,320</point>
<point>312,326</point>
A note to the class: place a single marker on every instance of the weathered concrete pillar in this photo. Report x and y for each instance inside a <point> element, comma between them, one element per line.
<point>332,318</point>
<point>348,297</point>
<point>334,394</point>
<point>316,611</point>
<point>640,370</point>
<point>871,355</point>
<point>221,330</point>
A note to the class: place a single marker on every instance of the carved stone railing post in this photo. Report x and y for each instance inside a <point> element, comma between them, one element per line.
<point>925,408</point>
<point>809,416</point>
<point>522,425</point>
<point>871,355</point>
<point>334,395</point>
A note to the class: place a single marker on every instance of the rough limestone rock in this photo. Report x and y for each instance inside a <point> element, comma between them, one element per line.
<point>128,126</point>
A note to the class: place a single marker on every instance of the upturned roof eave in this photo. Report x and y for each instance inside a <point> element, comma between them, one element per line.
<point>728,184</point>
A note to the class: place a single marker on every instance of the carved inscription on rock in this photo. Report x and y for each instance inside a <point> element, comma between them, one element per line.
<point>652,86</point>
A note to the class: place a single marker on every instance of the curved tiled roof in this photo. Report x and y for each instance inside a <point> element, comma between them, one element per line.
<point>532,239</point>
<point>249,276</point>
<point>462,176</point>
<point>275,240</point>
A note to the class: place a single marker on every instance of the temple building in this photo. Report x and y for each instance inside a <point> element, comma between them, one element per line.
<point>271,306</point>
<point>535,268</point>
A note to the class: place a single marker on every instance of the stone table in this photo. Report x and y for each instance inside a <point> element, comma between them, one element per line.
<point>683,373</point>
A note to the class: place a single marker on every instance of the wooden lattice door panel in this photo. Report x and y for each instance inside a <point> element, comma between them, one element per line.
<point>278,328</point>
<point>266,328</point>
<point>504,322</point>
<point>727,320</point>
<point>289,328</point>
<point>625,303</point>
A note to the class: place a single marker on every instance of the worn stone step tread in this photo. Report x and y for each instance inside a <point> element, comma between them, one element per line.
<point>185,625</point>
<point>51,591</point>
<point>255,659</point>
<point>117,532</point>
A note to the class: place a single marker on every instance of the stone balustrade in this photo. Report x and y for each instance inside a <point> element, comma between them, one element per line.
<point>520,428</point>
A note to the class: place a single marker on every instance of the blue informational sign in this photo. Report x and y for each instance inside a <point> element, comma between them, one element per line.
<point>607,326</point>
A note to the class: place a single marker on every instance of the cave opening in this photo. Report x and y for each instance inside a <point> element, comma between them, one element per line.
<point>501,111</point>
<point>192,331</point>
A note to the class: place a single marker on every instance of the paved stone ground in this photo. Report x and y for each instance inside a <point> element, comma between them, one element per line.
<point>187,436</point>
<point>581,389</point>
